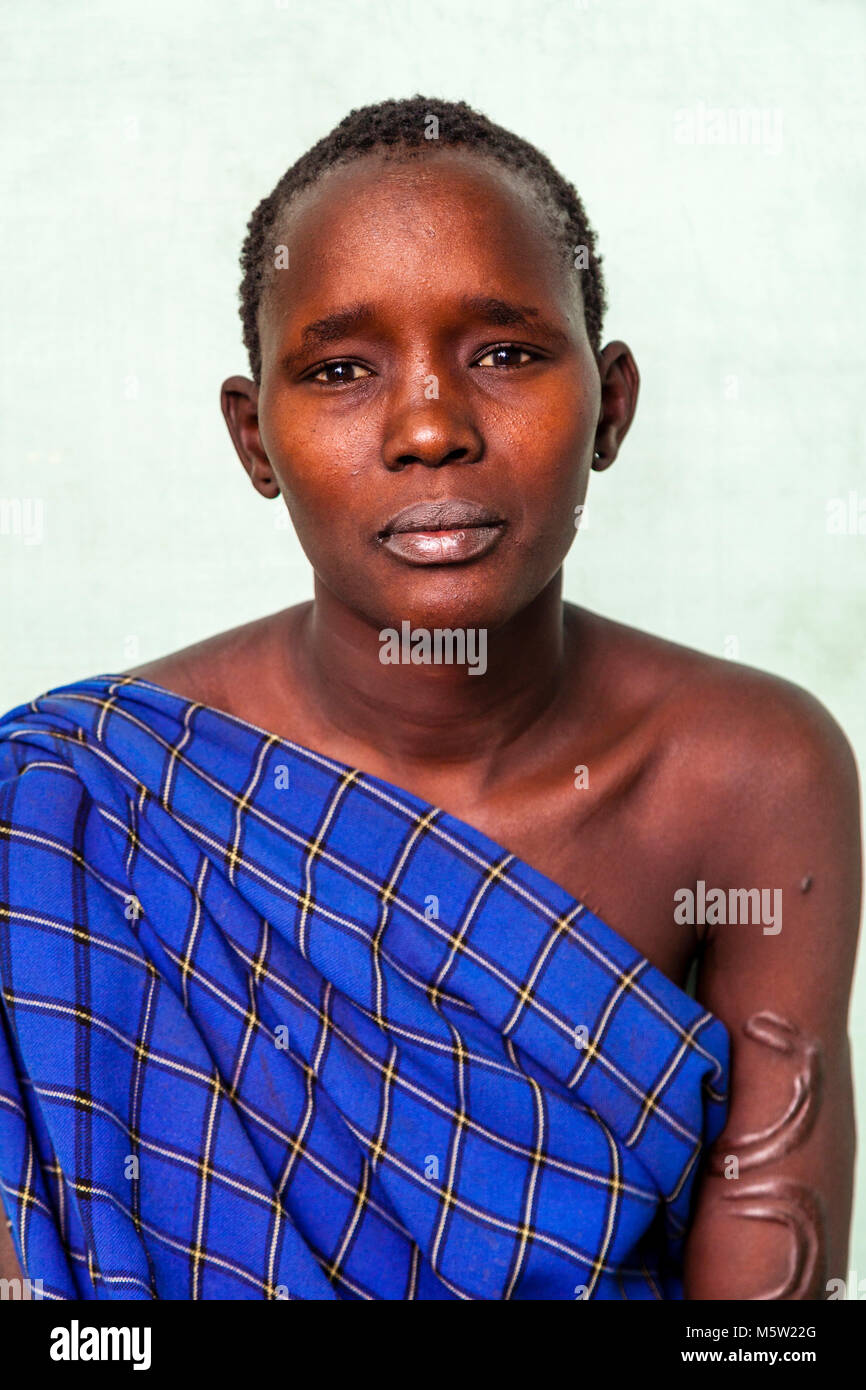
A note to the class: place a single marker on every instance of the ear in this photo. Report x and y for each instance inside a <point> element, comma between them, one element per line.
<point>239,399</point>
<point>620,381</point>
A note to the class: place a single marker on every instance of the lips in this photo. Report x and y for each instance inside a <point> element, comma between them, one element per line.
<point>446,532</point>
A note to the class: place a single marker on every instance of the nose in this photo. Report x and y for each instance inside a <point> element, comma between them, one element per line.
<point>432,431</point>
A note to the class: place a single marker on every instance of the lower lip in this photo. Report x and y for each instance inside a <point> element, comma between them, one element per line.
<point>443,547</point>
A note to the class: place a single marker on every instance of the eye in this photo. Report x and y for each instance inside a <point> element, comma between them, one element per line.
<point>505,351</point>
<point>339,372</point>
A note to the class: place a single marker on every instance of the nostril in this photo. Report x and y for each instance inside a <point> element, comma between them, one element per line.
<point>454,456</point>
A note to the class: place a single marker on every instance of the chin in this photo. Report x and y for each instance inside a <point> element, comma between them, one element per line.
<point>454,600</point>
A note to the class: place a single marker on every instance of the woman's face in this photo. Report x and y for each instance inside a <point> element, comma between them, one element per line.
<point>424,347</point>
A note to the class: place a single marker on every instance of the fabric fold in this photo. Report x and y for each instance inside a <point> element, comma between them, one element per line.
<point>276,1028</point>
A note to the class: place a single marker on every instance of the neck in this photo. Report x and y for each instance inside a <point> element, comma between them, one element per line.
<point>420,714</point>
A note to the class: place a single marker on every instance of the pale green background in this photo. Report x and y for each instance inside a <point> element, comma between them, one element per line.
<point>139,137</point>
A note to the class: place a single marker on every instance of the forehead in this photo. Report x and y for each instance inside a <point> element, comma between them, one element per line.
<point>447,222</point>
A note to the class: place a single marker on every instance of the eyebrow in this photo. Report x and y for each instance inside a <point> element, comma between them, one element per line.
<point>337,325</point>
<point>501,312</point>
<point>506,314</point>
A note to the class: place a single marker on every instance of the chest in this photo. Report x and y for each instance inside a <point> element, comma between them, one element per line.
<point>610,852</point>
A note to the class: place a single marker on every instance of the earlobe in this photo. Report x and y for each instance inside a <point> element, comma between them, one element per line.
<point>263,480</point>
<point>600,461</point>
<point>264,483</point>
<point>239,400</point>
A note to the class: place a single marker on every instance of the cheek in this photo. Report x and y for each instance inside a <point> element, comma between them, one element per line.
<point>558,421</point>
<point>318,479</point>
<point>557,448</point>
<point>320,515</point>
<point>326,497</point>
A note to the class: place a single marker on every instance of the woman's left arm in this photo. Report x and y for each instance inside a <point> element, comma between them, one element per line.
<point>773,1208</point>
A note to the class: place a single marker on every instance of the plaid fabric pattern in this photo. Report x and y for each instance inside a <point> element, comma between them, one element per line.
<point>273,1028</point>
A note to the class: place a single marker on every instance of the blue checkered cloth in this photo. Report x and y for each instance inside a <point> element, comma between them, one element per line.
<point>274,1028</point>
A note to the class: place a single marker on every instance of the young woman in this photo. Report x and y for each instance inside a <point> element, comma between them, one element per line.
<point>347,954</point>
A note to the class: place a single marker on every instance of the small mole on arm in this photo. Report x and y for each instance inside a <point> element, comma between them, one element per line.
<point>806,883</point>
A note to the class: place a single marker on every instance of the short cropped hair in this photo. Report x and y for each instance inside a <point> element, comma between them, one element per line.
<point>406,125</point>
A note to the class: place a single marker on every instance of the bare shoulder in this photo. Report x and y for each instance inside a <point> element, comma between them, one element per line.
<point>747,786</point>
<point>744,741</point>
<point>227,669</point>
<point>758,737</point>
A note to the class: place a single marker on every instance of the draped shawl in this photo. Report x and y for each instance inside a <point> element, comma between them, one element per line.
<point>272,1027</point>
